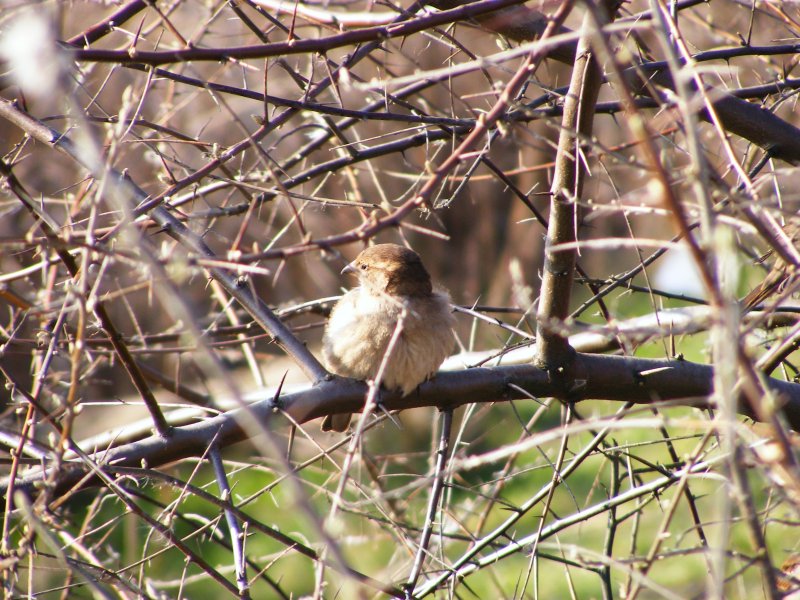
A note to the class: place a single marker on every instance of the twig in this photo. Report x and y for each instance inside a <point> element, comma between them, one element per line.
<point>237,535</point>
<point>494,321</point>
<point>462,568</point>
<point>775,355</point>
<point>458,567</point>
<point>116,181</point>
<point>442,455</point>
<point>292,46</point>
<point>107,25</point>
<point>116,339</point>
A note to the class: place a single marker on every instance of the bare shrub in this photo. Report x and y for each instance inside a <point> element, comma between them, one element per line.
<point>595,185</point>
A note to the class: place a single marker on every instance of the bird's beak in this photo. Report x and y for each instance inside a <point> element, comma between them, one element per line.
<point>349,268</point>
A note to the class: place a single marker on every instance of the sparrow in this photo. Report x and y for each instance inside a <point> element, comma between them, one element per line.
<point>394,291</point>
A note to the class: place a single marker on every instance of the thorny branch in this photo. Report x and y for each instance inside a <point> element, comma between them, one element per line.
<point>441,128</point>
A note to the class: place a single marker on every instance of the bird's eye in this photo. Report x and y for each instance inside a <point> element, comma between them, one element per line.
<point>363,267</point>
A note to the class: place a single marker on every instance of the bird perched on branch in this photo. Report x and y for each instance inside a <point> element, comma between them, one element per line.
<point>393,316</point>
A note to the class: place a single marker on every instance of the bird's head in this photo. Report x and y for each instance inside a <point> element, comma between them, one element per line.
<point>391,269</point>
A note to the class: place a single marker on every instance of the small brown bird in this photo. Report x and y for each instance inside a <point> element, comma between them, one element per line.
<point>394,286</point>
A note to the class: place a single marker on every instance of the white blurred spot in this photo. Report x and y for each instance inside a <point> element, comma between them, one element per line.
<point>28,46</point>
<point>678,274</point>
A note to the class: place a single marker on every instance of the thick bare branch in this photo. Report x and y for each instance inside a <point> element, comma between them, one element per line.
<point>553,349</point>
<point>638,380</point>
